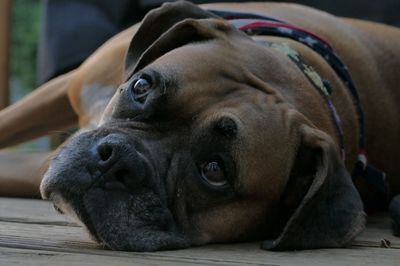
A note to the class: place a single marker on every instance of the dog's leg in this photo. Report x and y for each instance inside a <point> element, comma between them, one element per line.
<point>21,173</point>
<point>45,109</point>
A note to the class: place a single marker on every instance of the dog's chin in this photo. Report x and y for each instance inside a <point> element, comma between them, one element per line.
<point>123,221</point>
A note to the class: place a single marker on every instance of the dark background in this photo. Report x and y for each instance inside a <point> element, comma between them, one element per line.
<point>30,19</point>
<point>72,29</point>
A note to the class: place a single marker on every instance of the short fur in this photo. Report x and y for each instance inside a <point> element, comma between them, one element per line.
<point>132,176</point>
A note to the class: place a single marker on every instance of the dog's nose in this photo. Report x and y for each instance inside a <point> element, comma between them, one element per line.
<point>107,153</point>
<point>113,149</point>
<point>120,163</point>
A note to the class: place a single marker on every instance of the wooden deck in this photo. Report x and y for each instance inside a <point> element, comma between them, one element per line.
<point>32,233</point>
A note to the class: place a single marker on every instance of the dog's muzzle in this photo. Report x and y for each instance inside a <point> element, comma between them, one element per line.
<point>108,182</point>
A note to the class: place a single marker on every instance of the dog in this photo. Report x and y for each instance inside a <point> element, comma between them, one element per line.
<point>193,132</point>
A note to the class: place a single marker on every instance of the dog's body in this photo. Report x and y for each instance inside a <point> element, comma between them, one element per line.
<point>274,133</point>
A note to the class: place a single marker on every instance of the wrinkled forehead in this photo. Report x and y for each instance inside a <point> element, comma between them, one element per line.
<point>208,77</point>
<point>219,62</point>
<point>210,80</point>
<point>201,62</point>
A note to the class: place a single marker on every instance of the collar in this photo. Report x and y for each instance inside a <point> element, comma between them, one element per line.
<point>321,85</point>
<point>254,24</point>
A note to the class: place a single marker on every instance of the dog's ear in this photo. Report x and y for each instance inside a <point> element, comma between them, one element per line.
<point>321,207</point>
<point>156,23</point>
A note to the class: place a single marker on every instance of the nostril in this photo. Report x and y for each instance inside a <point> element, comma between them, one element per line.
<point>105,151</point>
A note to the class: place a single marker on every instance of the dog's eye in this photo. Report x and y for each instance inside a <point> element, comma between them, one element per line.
<point>140,89</point>
<point>213,173</point>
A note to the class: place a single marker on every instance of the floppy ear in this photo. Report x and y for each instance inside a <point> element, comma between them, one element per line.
<point>182,33</point>
<point>156,23</point>
<point>323,208</point>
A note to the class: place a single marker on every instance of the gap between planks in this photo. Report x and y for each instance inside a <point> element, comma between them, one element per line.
<point>32,226</point>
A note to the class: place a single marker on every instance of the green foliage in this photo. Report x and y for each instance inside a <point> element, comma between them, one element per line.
<point>24,41</point>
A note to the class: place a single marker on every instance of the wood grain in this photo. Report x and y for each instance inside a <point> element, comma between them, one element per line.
<point>32,233</point>
<point>31,211</point>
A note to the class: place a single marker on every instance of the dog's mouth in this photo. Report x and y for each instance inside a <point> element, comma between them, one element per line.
<point>121,220</point>
<point>110,187</point>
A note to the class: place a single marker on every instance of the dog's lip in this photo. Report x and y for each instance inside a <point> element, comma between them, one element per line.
<point>58,209</point>
<point>141,245</point>
<point>157,232</point>
<point>76,208</point>
<point>71,198</point>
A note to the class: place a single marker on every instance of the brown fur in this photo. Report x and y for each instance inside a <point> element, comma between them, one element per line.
<point>357,42</point>
<point>299,121</point>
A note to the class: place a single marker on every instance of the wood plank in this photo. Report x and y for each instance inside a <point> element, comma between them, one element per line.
<point>59,236</point>
<point>22,179</point>
<point>32,211</point>
<point>244,254</point>
<point>20,241</point>
<point>19,257</point>
<point>251,253</point>
<point>71,240</point>
<point>42,212</point>
<point>5,10</point>
<point>378,233</point>
<point>44,236</point>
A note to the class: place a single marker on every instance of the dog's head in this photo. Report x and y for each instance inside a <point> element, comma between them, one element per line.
<point>199,146</point>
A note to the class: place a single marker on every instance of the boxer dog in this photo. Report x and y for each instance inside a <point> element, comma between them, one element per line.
<point>213,136</point>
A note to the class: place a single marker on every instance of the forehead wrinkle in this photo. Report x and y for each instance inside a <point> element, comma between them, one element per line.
<point>204,84</point>
<point>203,55</point>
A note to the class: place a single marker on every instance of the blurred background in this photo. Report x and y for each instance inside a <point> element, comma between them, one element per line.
<point>34,56</point>
<point>25,23</point>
